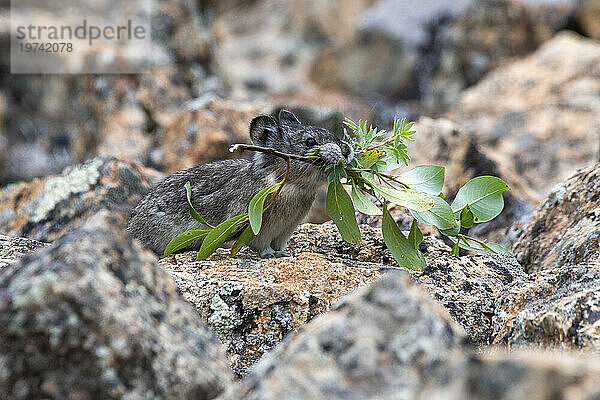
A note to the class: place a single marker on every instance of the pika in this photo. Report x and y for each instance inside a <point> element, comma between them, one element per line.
<point>223,189</point>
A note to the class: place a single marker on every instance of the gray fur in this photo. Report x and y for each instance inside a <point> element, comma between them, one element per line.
<point>223,189</point>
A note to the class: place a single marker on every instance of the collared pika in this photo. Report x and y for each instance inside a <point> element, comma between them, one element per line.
<point>223,189</point>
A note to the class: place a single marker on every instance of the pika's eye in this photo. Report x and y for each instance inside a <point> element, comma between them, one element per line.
<point>311,142</point>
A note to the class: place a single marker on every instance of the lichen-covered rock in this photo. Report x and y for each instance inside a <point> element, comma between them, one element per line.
<point>382,341</point>
<point>556,308</point>
<point>12,249</point>
<point>566,227</point>
<point>93,316</point>
<point>469,286</point>
<point>254,303</point>
<point>539,114</point>
<point>47,208</point>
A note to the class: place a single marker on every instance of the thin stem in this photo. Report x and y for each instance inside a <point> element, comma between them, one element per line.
<point>481,242</point>
<point>273,152</point>
<point>393,178</point>
<point>378,145</point>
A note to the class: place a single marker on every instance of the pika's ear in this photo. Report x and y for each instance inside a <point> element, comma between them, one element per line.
<point>288,118</point>
<point>264,130</point>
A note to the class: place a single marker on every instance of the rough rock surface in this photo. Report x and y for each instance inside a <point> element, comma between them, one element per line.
<point>94,317</point>
<point>556,308</point>
<point>47,208</point>
<point>382,340</point>
<point>469,286</point>
<point>539,114</point>
<point>12,249</point>
<point>391,341</point>
<point>566,227</point>
<point>253,303</point>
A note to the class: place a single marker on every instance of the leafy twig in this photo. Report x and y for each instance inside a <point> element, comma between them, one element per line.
<point>268,150</point>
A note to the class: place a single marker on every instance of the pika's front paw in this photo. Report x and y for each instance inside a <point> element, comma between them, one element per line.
<point>270,253</point>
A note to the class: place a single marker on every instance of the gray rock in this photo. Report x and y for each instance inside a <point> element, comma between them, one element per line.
<point>557,308</point>
<point>565,229</point>
<point>378,342</point>
<point>469,286</point>
<point>94,317</point>
<point>45,209</point>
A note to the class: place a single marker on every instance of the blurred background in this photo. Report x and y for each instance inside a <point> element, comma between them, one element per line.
<point>509,87</point>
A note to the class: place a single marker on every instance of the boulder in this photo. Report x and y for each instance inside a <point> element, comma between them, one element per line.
<point>47,208</point>
<point>539,114</point>
<point>382,341</point>
<point>252,304</point>
<point>12,249</point>
<point>93,316</point>
<point>565,229</point>
<point>50,122</point>
<point>469,287</point>
<point>556,308</point>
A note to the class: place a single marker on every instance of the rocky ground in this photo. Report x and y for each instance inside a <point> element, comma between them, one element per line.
<point>496,87</point>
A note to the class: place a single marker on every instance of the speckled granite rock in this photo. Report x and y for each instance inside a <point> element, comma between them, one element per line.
<point>556,308</point>
<point>469,286</point>
<point>94,317</point>
<point>253,303</point>
<point>12,249</point>
<point>540,114</point>
<point>382,341</point>
<point>566,227</point>
<point>47,208</point>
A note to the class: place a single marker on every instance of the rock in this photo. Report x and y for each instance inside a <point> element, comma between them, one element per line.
<point>254,303</point>
<point>50,122</point>
<point>443,142</point>
<point>555,308</point>
<point>12,249</point>
<point>540,114</point>
<point>271,49</point>
<point>382,341</point>
<point>519,376</point>
<point>566,227</point>
<point>94,317</point>
<point>588,18</point>
<point>204,132</point>
<point>47,208</point>
<point>469,286</point>
<point>485,36</point>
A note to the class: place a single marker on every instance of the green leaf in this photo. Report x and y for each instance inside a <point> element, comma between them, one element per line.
<point>497,248</point>
<point>218,235</point>
<point>440,215</point>
<point>400,247</point>
<point>193,212</point>
<point>362,202</point>
<point>455,249</point>
<point>184,240</point>
<point>466,217</point>
<point>256,207</point>
<point>408,198</point>
<point>368,158</point>
<point>415,237</point>
<point>425,178</point>
<point>341,211</point>
<point>483,195</point>
<point>245,237</point>
<point>467,244</point>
